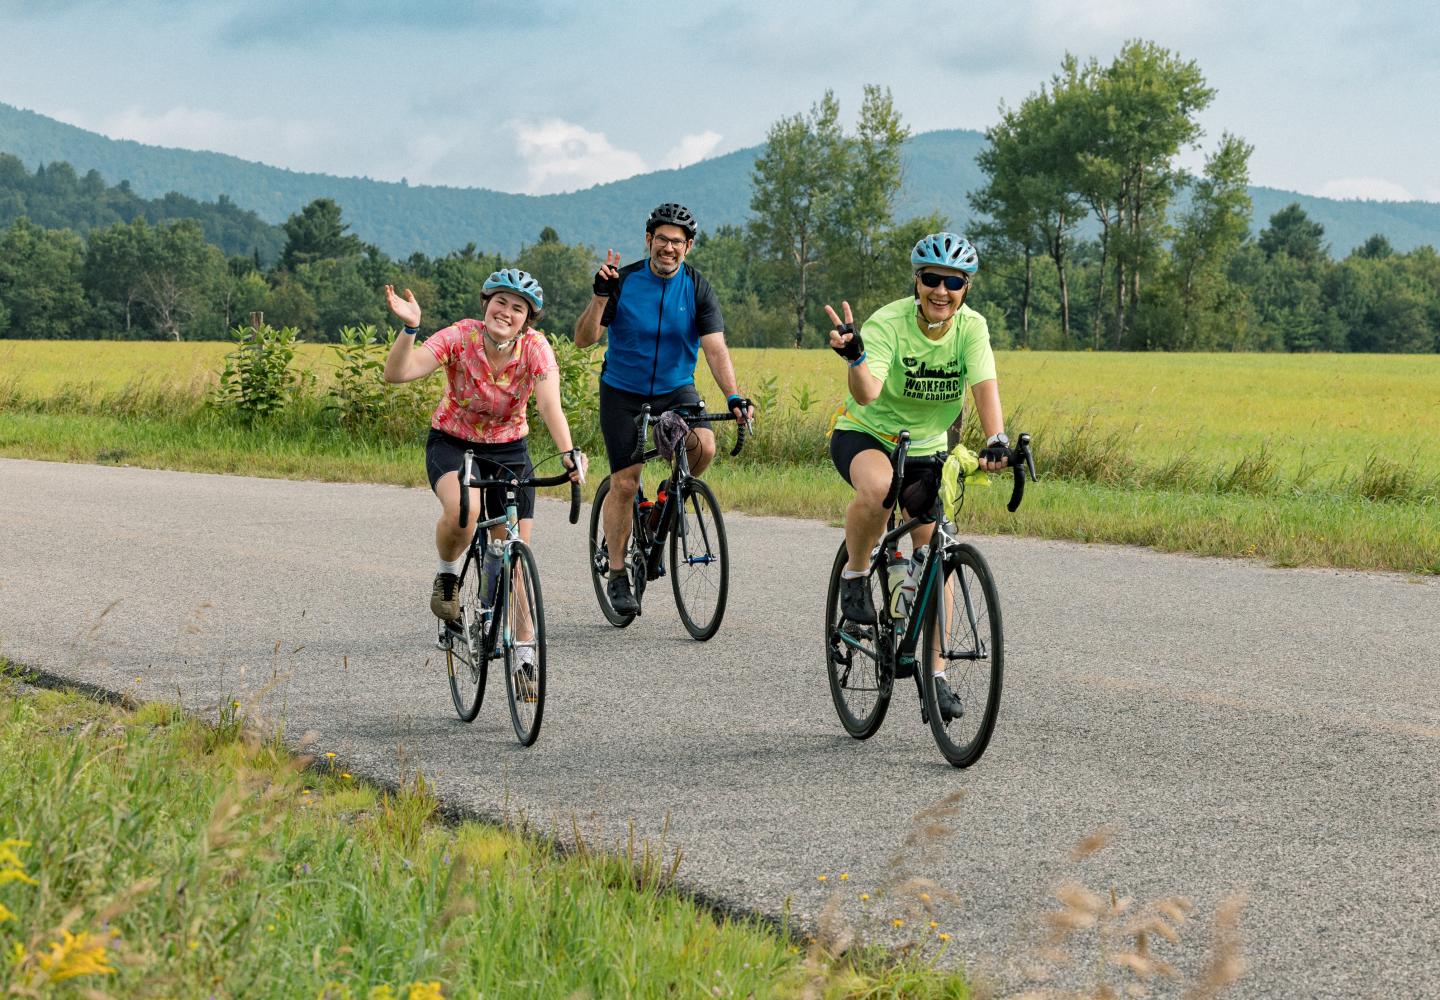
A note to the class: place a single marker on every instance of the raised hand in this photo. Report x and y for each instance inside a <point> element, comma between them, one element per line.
<point>607,279</point>
<point>844,338</point>
<point>407,309</point>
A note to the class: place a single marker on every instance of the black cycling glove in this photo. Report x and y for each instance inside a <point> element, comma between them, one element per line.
<point>606,287</point>
<point>998,451</point>
<point>853,347</point>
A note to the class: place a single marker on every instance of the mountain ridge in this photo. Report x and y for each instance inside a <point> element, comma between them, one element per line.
<point>401,218</point>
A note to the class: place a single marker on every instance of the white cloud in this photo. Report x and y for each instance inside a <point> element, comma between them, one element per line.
<point>561,156</point>
<point>1370,188</point>
<point>690,149</point>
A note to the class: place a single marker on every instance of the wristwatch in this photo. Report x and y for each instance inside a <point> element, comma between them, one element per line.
<point>999,439</point>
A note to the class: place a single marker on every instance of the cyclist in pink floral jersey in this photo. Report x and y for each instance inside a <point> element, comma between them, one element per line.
<point>492,366</point>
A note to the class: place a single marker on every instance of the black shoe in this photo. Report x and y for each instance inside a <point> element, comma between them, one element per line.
<point>621,599</point>
<point>950,707</point>
<point>445,597</point>
<point>855,602</point>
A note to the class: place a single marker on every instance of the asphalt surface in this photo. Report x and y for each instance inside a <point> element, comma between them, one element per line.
<point>1242,729</point>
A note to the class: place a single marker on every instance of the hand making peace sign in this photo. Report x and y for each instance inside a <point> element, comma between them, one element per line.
<point>607,279</point>
<point>844,338</point>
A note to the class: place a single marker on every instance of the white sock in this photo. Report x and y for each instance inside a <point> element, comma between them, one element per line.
<point>940,675</point>
<point>452,567</point>
<point>853,574</point>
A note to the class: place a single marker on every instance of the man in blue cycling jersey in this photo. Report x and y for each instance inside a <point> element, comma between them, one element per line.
<point>659,313</point>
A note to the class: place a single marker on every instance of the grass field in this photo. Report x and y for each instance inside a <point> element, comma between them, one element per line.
<point>1328,460</point>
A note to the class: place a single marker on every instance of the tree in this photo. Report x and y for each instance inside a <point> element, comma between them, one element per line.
<point>566,272</point>
<point>316,233</point>
<point>113,268</point>
<point>795,183</point>
<point>1291,233</point>
<point>179,275</point>
<point>40,289</point>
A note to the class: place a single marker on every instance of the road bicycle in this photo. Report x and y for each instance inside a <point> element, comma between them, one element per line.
<point>950,610</point>
<point>685,518</point>
<point>501,610</point>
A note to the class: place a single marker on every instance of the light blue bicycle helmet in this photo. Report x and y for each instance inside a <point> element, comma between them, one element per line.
<point>945,250</point>
<point>512,279</point>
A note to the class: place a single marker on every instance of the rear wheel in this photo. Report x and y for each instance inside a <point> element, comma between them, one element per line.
<point>467,655</point>
<point>963,637</point>
<point>859,659</point>
<point>600,558</point>
<point>522,638</point>
<point>699,561</point>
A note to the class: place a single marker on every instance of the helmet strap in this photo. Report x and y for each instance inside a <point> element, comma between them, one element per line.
<point>499,347</point>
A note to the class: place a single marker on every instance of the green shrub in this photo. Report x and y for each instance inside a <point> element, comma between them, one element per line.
<point>258,381</point>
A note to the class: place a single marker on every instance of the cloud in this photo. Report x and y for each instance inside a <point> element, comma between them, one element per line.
<point>690,149</point>
<point>300,145</point>
<point>562,156</point>
<point>1368,188</point>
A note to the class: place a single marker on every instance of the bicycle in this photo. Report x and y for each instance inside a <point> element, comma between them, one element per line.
<point>499,602</point>
<point>685,514</point>
<point>955,612</point>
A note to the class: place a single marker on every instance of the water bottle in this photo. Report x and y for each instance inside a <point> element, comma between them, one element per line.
<point>911,582</point>
<point>657,509</point>
<point>899,567</point>
<point>490,573</point>
<point>647,508</point>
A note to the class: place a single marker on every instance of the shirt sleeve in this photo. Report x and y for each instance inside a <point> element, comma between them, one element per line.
<point>707,308</point>
<point>541,356</point>
<point>445,344</point>
<point>979,358</point>
<point>879,338</point>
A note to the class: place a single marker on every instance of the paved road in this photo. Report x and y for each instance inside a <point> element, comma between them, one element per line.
<point>1275,732</point>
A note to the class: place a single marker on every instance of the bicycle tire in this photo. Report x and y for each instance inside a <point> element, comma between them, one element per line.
<point>975,655</point>
<point>600,557</point>
<point>697,548</point>
<point>469,668</point>
<point>520,600</point>
<point>862,669</point>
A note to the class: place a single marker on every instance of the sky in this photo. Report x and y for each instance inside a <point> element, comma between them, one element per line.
<point>556,95</point>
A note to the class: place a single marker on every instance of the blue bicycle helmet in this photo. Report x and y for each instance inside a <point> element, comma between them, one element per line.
<point>945,250</point>
<point>512,279</point>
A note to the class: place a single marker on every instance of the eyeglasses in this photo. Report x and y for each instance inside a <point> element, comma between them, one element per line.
<point>953,282</point>
<point>665,241</point>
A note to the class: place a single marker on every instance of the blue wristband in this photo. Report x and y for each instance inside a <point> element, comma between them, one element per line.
<point>858,361</point>
<point>731,400</point>
<point>412,330</point>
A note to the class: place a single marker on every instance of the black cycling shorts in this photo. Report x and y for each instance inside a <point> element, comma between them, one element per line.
<point>619,409</point>
<point>921,484</point>
<point>445,453</point>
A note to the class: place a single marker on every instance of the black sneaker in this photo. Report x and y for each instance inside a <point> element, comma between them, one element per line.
<point>855,602</point>
<point>617,588</point>
<point>950,707</point>
<point>445,597</point>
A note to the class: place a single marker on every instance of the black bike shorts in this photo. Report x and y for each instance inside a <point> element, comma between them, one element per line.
<point>445,453</point>
<point>618,410</point>
<point>921,484</point>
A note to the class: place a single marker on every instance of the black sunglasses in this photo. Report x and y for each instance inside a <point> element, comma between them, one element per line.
<point>953,282</point>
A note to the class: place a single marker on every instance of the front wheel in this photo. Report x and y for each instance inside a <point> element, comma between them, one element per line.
<point>963,639</point>
<point>522,637</point>
<point>699,561</point>
<point>859,659</point>
<point>600,557</point>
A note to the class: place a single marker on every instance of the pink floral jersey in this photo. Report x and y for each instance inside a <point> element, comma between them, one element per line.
<point>482,404</point>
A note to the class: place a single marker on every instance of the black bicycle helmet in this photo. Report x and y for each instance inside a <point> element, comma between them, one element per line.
<point>672,214</point>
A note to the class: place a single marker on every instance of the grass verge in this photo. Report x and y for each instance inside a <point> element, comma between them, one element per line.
<point>144,854</point>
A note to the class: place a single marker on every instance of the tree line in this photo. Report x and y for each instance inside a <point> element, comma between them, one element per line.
<point>1091,235</point>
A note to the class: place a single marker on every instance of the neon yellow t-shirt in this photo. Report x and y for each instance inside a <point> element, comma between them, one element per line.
<point>923,380</point>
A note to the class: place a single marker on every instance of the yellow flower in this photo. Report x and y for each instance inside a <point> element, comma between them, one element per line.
<point>897,922</point>
<point>346,775</point>
<point>821,878</point>
<point>924,897</point>
<point>934,924</point>
<point>330,755</point>
<point>844,876</point>
<point>11,867</point>
<point>194,944</point>
<point>425,991</point>
<point>5,914</point>
<point>943,936</point>
<point>75,955</point>
<point>864,897</point>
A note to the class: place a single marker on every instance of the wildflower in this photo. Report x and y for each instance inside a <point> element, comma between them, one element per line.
<point>425,991</point>
<point>330,755</point>
<point>844,876</point>
<point>934,924</point>
<point>75,955</point>
<point>270,928</point>
<point>943,936</point>
<point>821,878</point>
<point>924,897</point>
<point>5,914</point>
<point>864,897</point>
<point>11,867</point>
<point>346,775</point>
<point>897,922</point>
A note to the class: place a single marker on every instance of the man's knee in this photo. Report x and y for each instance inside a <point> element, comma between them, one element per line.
<point>624,482</point>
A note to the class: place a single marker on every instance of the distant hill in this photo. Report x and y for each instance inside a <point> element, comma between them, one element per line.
<point>399,218</point>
